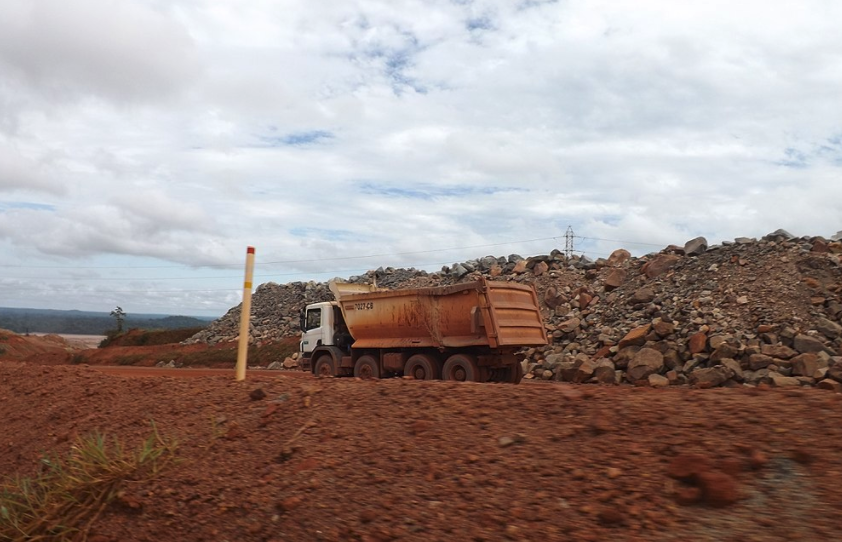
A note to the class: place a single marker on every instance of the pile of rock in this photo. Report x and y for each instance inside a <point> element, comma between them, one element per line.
<point>276,308</point>
<point>750,311</point>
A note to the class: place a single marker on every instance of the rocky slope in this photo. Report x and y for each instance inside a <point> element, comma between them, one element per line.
<point>756,312</point>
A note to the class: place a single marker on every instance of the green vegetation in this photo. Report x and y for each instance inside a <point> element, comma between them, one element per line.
<point>137,337</point>
<point>119,315</point>
<point>63,500</point>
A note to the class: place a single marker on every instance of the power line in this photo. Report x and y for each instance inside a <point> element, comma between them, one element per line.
<point>569,236</point>
<point>264,277</point>
<point>619,241</point>
<point>280,262</point>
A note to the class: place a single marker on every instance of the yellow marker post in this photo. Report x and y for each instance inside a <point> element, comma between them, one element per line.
<point>245,314</point>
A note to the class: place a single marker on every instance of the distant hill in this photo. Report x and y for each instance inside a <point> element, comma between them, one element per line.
<point>88,323</point>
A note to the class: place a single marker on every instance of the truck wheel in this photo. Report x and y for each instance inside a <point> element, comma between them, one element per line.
<point>462,368</point>
<point>367,368</point>
<point>516,373</point>
<point>324,367</point>
<point>423,367</point>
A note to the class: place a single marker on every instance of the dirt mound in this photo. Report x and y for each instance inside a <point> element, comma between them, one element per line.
<point>142,337</point>
<point>141,348</point>
<point>339,459</point>
<point>48,348</point>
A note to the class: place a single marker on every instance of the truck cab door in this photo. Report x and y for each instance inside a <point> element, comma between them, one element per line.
<point>311,331</point>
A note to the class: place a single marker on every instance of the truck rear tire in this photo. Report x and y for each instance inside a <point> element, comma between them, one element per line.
<point>462,368</point>
<point>367,368</point>
<point>423,367</point>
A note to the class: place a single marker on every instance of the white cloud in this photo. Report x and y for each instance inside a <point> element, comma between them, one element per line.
<point>177,133</point>
<point>95,48</point>
<point>19,173</point>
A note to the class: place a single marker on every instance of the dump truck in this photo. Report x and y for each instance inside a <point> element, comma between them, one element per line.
<point>466,332</point>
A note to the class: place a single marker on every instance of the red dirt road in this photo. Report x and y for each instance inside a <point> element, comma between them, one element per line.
<point>131,371</point>
<point>342,459</point>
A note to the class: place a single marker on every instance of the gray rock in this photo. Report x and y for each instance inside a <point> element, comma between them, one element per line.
<point>552,360</point>
<point>778,351</point>
<point>487,262</point>
<point>696,246</point>
<point>691,364</point>
<point>806,344</point>
<point>759,361</point>
<point>779,234</point>
<point>710,378</point>
<point>755,377</point>
<point>805,365</point>
<point>566,370</point>
<point>828,328</point>
<point>458,270</point>
<point>604,373</point>
<point>647,361</point>
<point>658,381</point>
<point>781,381</point>
<point>585,371</point>
<point>835,372</point>
<point>735,367</point>
<point>643,295</point>
<point>724,351</point>
<point>829,384</point>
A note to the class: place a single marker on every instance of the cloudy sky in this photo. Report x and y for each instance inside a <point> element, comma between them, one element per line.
<point>144,144</point>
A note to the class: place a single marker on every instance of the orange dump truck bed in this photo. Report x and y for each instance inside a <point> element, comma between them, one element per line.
<point>481,313</point>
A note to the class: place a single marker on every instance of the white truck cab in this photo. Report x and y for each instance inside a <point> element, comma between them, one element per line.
<point>318,322</point>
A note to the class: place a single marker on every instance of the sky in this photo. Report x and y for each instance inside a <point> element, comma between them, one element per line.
<point>145,144</point>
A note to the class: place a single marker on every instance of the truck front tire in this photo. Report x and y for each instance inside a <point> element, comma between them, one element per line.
<point>324,367</point>
<point>367,368</point>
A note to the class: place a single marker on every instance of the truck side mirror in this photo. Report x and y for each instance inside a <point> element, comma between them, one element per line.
<point>301,319</point>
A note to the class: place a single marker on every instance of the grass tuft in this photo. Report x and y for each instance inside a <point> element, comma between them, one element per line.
<point>67,495</point>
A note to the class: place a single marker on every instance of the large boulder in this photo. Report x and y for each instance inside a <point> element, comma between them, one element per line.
<point>642,295</point>
<point>806,344</point>
<point>805,365</point>
<point>696,246</point>
<point>635,337</point>
<point>711,377</point>
<point>618,257</point>
<point>659,265</point>
<point>615,279</point>
<point>604,371</point>
<point>647,361</point>
<point>828,328</point>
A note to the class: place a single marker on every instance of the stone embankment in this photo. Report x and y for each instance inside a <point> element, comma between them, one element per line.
<point>746,312</point>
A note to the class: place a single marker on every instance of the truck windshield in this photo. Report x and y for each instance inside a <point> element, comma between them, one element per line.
<point>314,319</point>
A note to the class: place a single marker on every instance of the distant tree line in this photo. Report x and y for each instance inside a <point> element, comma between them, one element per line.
<point>85,323</point>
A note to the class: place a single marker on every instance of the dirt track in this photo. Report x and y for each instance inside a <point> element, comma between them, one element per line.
<point>129,371</point>
<point>340,459</point>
